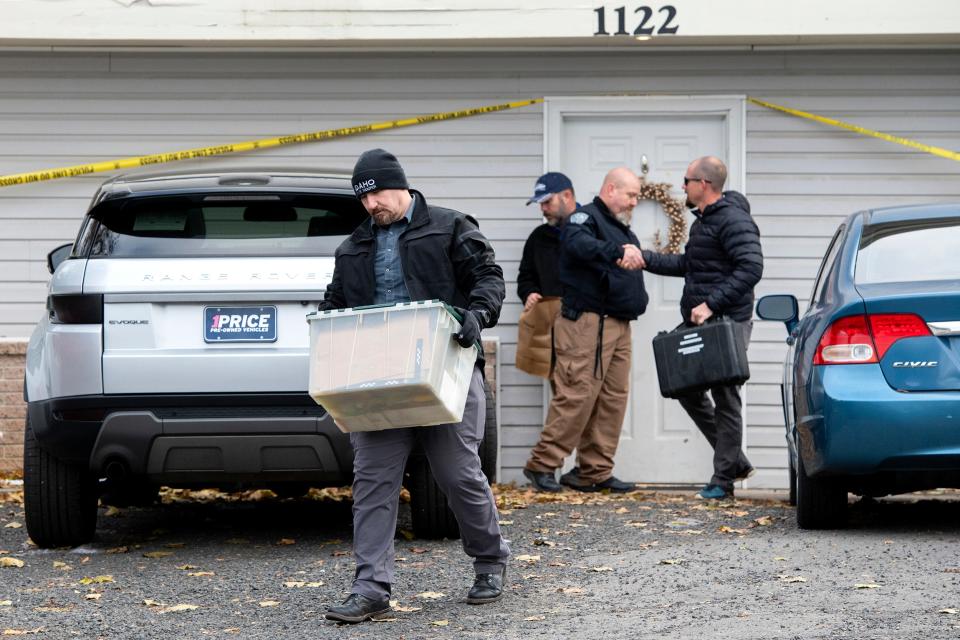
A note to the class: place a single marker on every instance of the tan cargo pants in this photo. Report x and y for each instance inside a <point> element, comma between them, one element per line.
<point>589,402</point>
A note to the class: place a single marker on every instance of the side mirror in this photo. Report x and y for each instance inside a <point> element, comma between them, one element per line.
<point>58,255</point>
<point>780,308</point>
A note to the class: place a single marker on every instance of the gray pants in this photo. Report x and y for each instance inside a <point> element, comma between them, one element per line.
<point>451,449</point>
<point>721,424</point>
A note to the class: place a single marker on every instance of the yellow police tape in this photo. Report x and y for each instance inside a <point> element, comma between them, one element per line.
<point>204,152</point>
<point>937,151</point>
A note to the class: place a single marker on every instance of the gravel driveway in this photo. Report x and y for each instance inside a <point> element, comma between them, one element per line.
<point>649,564</point>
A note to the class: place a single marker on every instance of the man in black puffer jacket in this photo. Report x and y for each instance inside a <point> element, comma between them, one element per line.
<point>721,264</point>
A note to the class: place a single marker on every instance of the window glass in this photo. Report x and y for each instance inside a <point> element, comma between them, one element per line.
<point>225,225</point>
<point>909,251</point>
<point>817,294</point>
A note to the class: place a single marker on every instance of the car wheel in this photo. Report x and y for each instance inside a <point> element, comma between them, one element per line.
<point>59,498</point>
<point>821,502</point>
<point>793,479</point>
<point>432,518</point>
<point>488,448</point>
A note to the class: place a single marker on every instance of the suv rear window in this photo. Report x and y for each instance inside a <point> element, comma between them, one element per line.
<point>224,225</point>
<point>909,251</point>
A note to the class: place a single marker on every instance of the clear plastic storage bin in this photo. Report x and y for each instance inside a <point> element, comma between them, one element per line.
<point>386,367</point>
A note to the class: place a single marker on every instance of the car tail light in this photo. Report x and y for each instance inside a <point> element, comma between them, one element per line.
<point>887,328</point>
<point>75,308</point>
<point>846,341</point>
<point>865,339</point>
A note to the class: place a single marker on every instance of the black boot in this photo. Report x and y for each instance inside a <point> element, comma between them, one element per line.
<point>487,587</point>
<point>357,608</point>
<point>543,481</point>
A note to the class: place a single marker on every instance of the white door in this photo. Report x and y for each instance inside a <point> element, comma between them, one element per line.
<point>659,443</point>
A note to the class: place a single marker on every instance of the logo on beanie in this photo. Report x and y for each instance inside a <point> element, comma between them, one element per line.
<point>365,186</point>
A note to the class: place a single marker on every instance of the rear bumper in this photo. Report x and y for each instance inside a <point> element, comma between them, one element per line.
<point>197,438</point>
<point>857,425</point>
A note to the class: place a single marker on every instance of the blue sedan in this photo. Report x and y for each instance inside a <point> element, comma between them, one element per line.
<point>871,382</point>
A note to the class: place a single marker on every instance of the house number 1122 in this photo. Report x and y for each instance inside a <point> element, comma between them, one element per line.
<point>647,25</point>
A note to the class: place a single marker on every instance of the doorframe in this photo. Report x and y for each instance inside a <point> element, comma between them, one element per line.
<point>732,108</point>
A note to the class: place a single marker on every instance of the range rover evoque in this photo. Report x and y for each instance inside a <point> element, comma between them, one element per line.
<point>174,350</point>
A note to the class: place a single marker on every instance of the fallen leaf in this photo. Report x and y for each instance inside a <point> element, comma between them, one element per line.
<point>22,632</point>
<point>6,603</point>
<point>601,569</point>
<point>440,623</point>
<point>96,580</point>
<point>639,524</point>
<point>61,565</point>
<point>764,521</point>
<point>286,541</point>
<point>866,585</point>
<point>118,550</point>
<point>726,529</point>
<point>11,563</point>
<point>535,618</point>
<point>198,574</point>
<point>570,590</point>
<point>384,620</point>
<point>397,607</point>
<point>947,611</point>
<point>556,563</point>
<point>175,545</point>
<point>418,550</point>
<point>792,579</point>
<point>622,510</point>
<point>187,567</point>
<point>407,535</point>
<point>12,525</point>
<point>52,609</point>
<point>505,522</point>
<point>92,596</point>
<point>269,603</point>
<point>780,559</point>
<point>111,511</point>
<point>672,561</point>
<point>238,541</point>
<point>178,608</point>
<point>152,603</point>
<point>157,554</point>
<point>431,595</point>
<point>527,558</point>
<point>340,553</point>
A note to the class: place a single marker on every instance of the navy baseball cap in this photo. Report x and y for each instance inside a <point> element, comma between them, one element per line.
<point>549,184</point>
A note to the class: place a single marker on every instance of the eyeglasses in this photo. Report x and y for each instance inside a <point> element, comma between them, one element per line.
<point>687,180</point>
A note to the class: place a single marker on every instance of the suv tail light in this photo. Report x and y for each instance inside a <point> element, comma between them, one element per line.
<point>864,339</point>
<point>75,308</point>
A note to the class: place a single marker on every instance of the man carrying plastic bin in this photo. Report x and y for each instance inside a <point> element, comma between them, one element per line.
<point>416,251</point>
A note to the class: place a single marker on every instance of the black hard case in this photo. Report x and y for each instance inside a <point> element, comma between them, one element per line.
<point>696,358</point>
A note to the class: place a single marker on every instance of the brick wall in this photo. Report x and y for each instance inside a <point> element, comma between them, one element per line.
<point>12,408</point>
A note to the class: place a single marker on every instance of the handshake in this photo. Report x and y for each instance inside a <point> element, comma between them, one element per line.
<point>632,258</point>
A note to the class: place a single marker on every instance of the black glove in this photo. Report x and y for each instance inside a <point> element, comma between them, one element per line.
<point>469,329</point>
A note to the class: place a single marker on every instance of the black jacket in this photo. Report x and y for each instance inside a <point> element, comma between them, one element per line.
<point>590,245</point>
<point>721,263</point>
<point>444,257</point>
<point>540,265</point>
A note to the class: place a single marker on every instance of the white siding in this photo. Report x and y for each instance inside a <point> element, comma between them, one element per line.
<point>802,178</point>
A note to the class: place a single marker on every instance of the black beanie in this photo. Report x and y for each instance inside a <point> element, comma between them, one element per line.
<point>377,169</point>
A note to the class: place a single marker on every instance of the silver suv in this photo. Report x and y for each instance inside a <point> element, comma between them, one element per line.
<point>175,350</point>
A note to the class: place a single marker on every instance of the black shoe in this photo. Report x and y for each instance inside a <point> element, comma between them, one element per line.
<point>572,478</point>
<point>542,481</point>
<point>487,587</point>
<point>357,608</point>
<point>612,484</point>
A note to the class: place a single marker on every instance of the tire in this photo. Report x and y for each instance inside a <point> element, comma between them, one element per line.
<point>432,518</point>
<point>488,448</point>
<point>60,498</point>
<point>821,502</point>
<point>793,480</point>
